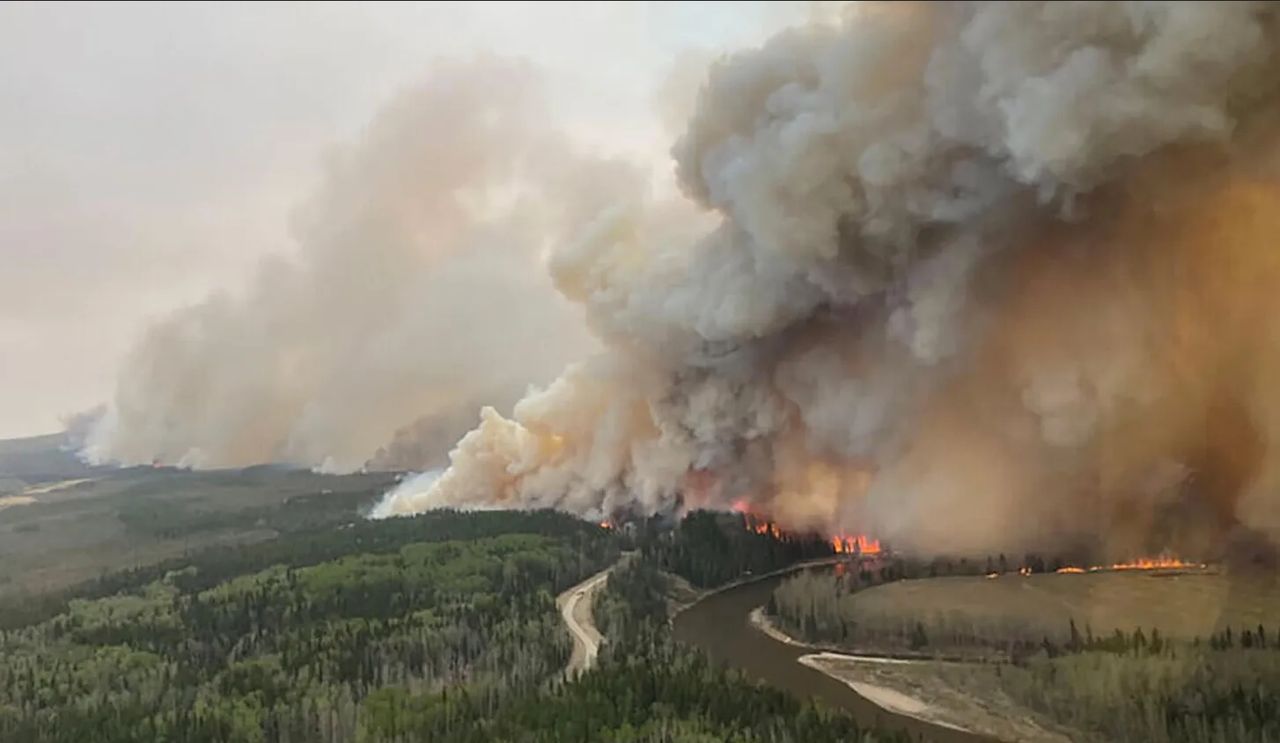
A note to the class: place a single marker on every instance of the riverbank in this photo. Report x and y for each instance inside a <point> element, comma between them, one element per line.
<point>918,688</point>
<point>684,596</point>
<point>767,626</point>
<point>833,664</point>
<point>719,625</point>
<point>883,697</point>
<point>888,698</point>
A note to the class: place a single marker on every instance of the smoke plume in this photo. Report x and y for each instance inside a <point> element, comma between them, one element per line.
<point>969,276</point>
<point>416,295</point>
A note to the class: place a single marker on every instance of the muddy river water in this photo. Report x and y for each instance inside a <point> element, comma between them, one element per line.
<point>720,625</point>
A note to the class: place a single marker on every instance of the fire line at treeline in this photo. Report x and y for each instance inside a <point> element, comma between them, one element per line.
<point>857,544</point>
<point>842,543</point>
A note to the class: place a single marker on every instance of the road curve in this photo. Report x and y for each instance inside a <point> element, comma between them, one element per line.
<point>575,606</point>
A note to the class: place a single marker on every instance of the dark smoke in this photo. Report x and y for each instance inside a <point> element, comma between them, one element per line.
<point>978,276</point>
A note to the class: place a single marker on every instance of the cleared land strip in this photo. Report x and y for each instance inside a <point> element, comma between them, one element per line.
<point>575,606</point>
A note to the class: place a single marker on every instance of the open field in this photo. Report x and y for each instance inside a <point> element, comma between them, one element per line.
<point>58,532</point>
<point>1181,604</point>
<point>1176,656</point>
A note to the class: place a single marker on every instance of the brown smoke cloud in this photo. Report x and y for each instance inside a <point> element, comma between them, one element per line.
<point>417,287</point>
<point>970,276</point>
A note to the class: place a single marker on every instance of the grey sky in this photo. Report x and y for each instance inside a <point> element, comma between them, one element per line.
<point>151,153</point>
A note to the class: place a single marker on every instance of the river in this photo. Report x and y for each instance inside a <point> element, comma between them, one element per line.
<point>720,625</point>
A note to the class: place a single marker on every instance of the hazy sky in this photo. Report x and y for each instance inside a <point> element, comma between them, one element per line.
<point>151,153</point>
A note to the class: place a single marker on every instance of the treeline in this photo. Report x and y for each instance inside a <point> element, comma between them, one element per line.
<point>710,549</point>
<point>821,608</point>
<point>1152,642</point>
<point>1178,694</point>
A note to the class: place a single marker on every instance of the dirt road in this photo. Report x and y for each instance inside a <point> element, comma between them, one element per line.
<point>575,606</point>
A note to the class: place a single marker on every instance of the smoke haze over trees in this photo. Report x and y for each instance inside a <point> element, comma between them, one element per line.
<point>971,276</point>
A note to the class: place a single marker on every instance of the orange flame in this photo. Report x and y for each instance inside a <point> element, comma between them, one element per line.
<point>842,543</point>
<point>1145,563</point>
<point>606,525</point>
<point>859,544</point>
<point>1158,563</point>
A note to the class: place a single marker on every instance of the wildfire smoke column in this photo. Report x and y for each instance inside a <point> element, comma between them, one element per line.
<point>975,275</point>
<point>390,315</point>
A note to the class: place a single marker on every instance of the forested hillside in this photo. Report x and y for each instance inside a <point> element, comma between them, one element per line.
<point>317,639</point>
<point>440,628</point>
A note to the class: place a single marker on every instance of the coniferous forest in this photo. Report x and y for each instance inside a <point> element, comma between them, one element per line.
<point>441,627</point>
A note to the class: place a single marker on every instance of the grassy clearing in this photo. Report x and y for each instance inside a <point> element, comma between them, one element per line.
<point>1180,604</point>
<point>1158,657</point>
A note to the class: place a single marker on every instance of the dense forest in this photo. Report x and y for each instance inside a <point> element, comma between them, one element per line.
<point>441,627</point>
<point>304,639</point>
<point>710,549</point>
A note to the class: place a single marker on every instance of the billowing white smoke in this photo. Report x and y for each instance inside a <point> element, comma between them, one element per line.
<point>416,483</point>
<point>836,323</point>
<point>397,307</point>
<point>79,427</point>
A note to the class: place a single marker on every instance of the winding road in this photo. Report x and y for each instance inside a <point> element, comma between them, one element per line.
<point>575,606</point>
<point>714,623</point>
